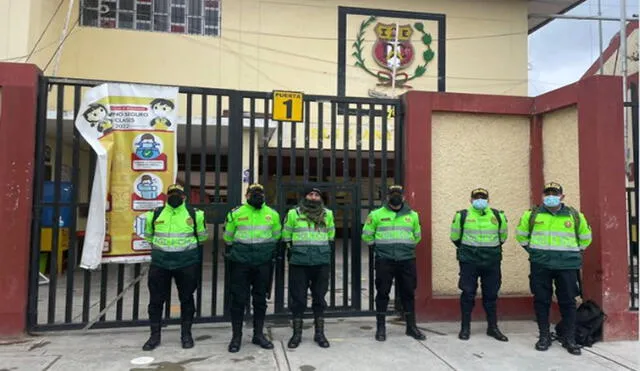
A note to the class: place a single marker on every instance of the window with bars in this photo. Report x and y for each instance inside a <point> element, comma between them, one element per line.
<point>197,17</point>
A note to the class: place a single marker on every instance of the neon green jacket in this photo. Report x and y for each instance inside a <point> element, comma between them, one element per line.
<point>309,245</point>
<point>481,242</point>
<point>554,241</point>
<point>394,234</point>
<point>172,238</point>
<point>252,234</point>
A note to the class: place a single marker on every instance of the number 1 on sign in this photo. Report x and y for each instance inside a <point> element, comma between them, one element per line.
<point>289,104</point>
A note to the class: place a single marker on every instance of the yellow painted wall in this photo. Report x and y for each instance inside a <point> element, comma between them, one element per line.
<point>465,156</point>
<point>560,146</point>
<point>288,44</point>
<point>14,29</point>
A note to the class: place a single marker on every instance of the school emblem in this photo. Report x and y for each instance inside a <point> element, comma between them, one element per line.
<point>407,219</point>
<point>394,53</point>
<point>189,221</point>
<point>368,220</point>
<point>494,220</point>
<point>268,218</point>
<point>568,224</point>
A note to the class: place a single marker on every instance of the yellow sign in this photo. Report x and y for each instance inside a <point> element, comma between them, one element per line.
<point>132,129</point>
<point>287,106</point>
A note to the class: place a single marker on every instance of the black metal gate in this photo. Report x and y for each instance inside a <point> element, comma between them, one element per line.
<point>350,147</point>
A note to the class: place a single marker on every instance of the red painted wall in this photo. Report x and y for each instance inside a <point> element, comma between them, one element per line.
<point>602,184</point>
<point>18,107</point>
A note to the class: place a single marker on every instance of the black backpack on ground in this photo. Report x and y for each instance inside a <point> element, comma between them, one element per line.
<point>589,321</point>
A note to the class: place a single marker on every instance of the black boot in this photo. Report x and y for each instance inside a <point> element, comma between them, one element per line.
<point>465,330</point>
<point>258,335</point>
<point>154,339</point>
<point>412,329</point>
<point>319,337</point>
<point>569,340</point>
<point>381,332</point>
<point>185,335</point>
<point>465,323</point>
<point>236,338</point>
<point>495,333</point>
<point>297,333</point>
<point>544,342</point>
<point>572,347</point>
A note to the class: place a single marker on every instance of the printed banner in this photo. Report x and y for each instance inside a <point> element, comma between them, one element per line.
<point>132,129</point>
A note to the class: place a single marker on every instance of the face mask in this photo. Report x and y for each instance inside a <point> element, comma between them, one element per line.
<point>395,200</point>
<point>256,200</point>
<point>551,201</point>
<point>312,203</point>
<point>480,203</point>
<point>175,201</point>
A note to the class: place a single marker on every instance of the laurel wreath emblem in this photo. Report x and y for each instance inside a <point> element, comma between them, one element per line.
<point>420,70</point>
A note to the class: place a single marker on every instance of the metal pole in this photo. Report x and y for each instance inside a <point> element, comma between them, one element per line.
<point>395,68</point>
<point>582,17</point>
<point>623,66</point>
<point>63,35</point>
<point>601,58</point>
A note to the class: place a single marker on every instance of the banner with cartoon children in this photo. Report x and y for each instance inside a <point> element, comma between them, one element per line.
<point>132,129</point>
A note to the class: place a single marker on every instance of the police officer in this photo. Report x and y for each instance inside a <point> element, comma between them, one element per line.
<point>393,232</point>
<point>175,232</point>
<point>252,232</point>
<point>555,236</point>
<point>309,232</point>
<point>478,233</point>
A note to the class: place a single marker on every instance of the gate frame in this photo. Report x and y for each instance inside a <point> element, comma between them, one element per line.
<point>235,157</point>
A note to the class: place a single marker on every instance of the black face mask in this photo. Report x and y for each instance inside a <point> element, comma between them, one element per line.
<point>175,201</point>
<point>312,203</point>
<point>256,200</point>
<point>395,200</point>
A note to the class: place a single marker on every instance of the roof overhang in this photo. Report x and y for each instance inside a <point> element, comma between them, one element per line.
<point>548,7</point>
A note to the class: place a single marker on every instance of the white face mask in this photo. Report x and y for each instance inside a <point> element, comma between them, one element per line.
<point>551,201</point>
<point>480,203</point>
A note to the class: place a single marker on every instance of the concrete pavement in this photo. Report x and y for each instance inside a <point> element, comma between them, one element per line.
<point>352,348</point>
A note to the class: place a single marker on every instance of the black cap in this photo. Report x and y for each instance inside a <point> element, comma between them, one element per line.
<point>479,192</point>
<point>255,188</point>
<point>175,188</point>
<point>395,188</point>
<point>552,186</point>
<point>311,188</point>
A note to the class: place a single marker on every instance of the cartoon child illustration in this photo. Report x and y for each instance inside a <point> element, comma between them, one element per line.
<point>148,190</point>
<point>97,114</point>
<point>161,108</point>
<point>147,147</point>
